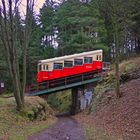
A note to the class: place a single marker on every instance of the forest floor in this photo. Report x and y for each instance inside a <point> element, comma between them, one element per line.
<point>18,126</point>
<point>116,118</point>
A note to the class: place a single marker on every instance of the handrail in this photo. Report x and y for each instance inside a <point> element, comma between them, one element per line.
<point>58,82</point>
<point>106,65</point>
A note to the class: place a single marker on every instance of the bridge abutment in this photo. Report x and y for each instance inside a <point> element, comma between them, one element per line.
<point>74,98</point>
<point>81,97</point>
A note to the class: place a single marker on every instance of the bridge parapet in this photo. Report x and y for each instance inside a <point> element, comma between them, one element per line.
<point>106,66</point>
<point>63,87</point>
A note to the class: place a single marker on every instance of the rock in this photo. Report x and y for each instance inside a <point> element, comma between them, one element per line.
<point>37,108</point>
<point>109,98</point>
<point>124,77</point>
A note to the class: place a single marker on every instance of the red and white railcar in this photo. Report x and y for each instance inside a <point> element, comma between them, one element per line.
<point>69,65</point>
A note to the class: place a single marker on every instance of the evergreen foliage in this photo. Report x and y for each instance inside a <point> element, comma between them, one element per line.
<point>80,27</point>
<point>74,26</point>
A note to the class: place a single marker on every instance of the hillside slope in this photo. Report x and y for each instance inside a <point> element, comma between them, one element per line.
<point>118,119</point>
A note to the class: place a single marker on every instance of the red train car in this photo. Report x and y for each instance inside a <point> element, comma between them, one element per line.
<point>69,65</point>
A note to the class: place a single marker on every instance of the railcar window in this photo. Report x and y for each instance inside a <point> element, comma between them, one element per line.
<point>39,67</point>
<point>68,64</point>
<point>78,62</point>
<point>57,66</point>
<point>88,60</point>
<point>45,67</point>
<point>97,57</point>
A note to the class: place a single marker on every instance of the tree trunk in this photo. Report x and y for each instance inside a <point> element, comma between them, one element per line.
<point>11,42</point>
<point>117,88</point>
<point>138,45</point>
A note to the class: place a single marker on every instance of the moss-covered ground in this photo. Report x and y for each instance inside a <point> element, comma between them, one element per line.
<point>18,126</point>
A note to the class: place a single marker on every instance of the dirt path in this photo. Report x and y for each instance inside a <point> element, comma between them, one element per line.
<point>65,129</point>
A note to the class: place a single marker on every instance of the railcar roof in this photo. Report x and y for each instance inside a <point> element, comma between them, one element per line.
<point>69,56</point>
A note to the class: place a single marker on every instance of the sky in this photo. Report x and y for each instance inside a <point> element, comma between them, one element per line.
<point>38,5</point>
<point>22,6</point>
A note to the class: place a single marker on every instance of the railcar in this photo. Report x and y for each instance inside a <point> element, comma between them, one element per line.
<point>70,67</point>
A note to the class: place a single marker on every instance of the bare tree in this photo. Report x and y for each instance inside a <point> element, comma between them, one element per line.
<point>9,34</point>
<point>116,27</point>
<point>121,20</point>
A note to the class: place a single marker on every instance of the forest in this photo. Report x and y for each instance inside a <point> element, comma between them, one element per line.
<point>62,28</point>
<point>65,27</point>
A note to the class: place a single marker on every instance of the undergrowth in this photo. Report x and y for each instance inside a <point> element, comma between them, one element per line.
<point>107,84</point>
<point>60,101</point>
<point>126,68</point>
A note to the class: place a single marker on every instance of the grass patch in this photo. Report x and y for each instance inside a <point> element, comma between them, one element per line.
<point>22,133</point>
<point>6,101</point>
<point>98,134</point>
<point>18,126</point>
<point>39,127</point>
<point>130,67</point>
<point>2,101</point>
